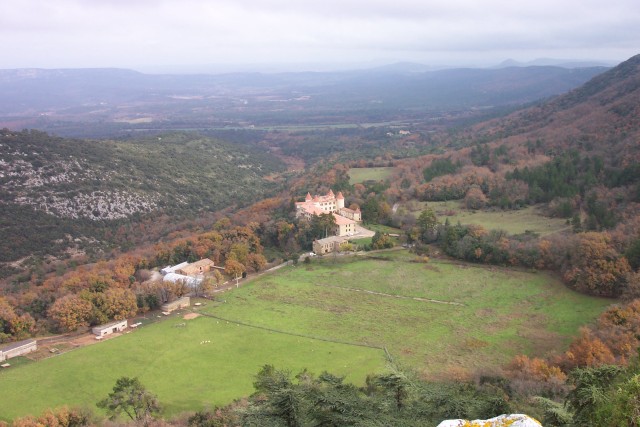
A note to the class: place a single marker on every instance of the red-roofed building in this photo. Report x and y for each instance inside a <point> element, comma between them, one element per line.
<point>344,226</point>
<point>346,219</point>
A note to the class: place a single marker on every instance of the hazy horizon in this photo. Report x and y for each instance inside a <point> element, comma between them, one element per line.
<point>267,68</point>
<point>193,35</point>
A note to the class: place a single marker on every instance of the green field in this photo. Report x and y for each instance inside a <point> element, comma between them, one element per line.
<point>171,362</point>
<point>512,221</point>
<point>503,312</point>
<point>497,314</point>
<point>359,175</point>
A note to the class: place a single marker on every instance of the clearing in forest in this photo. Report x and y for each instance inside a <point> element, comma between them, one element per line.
<point>513,221</point>
<point>360,175</point>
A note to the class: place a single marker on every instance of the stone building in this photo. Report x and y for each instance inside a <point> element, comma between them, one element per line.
<point>346,219</point>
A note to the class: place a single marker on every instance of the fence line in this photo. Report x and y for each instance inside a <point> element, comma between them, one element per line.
<point>291,333</point>
<point>393,296</point>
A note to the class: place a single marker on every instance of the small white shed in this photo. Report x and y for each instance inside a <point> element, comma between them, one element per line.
<point>110,328</point>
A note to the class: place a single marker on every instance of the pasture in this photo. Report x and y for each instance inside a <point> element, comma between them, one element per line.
<point>173,362</point>
<point>360,175</point>
<point>512,221</point>
<point>442,318</point>
<point>494,313</point>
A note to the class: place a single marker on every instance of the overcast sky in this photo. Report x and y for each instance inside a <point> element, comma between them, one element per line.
<point>165,34</point>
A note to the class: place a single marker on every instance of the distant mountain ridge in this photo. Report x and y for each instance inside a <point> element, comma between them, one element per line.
<point>601,116</point>
<point>550,62</point>
<point>39,98</point>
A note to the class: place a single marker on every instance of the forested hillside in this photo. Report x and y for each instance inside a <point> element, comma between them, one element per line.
<point>56,191</point>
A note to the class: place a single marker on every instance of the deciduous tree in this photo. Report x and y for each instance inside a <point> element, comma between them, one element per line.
<point>70,312</point>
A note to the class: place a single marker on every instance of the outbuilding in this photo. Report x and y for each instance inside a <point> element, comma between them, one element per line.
<point>183,302</point>
<point>110,328</point>
<point>172,269</point>
<point>195,268</point>
<point>326,245</point>
<point>181,278</point>
<point>18,349</point>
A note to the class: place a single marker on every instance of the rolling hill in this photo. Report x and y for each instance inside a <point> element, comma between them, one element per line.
<point>55,190</point>
<point>602,116</point>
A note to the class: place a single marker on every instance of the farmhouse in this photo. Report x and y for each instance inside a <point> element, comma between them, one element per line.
<point>177,304</point>
<point>110,328</point>
<point>198,267</point>
<point>327,245</point>
<point>17,349</point>
<point>346,219</point>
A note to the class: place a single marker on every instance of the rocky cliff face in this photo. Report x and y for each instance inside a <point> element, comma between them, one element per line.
<point>59,186</point>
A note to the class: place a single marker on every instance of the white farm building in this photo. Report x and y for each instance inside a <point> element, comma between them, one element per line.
<point>187,280</point>
<point>110,328</point>
<point>17,349</point>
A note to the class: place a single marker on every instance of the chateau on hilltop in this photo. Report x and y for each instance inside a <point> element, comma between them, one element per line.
<point>346,219</point>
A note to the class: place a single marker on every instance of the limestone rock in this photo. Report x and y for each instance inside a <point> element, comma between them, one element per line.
<point>513,420</point>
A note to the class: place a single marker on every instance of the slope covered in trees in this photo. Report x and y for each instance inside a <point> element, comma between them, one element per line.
<point>57,190</point>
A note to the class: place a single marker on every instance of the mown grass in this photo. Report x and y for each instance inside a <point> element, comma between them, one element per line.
<point>528,219</point>
<point>497,313</point>
<point>171,362</point>
<point>383,228</point>
<point>359,175</point>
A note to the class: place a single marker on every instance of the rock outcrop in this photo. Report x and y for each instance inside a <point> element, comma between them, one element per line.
<point>512,420</point>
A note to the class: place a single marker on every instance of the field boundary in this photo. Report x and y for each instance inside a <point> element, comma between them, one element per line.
<point>377,347</point>
<point>382,294</point>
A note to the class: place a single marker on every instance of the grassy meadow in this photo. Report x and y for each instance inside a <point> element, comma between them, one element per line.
<point>496,314</point>
<point>359,175</point>
<point>310,316</point>
<point>172,362</point>
<point>512,221</point>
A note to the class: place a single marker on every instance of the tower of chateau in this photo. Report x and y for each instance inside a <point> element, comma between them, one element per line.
<point>340,200</point>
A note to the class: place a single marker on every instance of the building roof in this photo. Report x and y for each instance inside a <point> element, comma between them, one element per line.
<point>175,277</point>
<point>330,239</point>
<point>110,324</point>
<point>171,269</point>
<point>195,266</point>
<point>339,196</point>
<point>341,220</point>
<point>350,210</point>
<point>17,344</point>
<point>310,208</point>
<point>202,263</point>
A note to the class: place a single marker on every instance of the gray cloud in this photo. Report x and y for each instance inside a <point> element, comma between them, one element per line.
<point>131,33</point>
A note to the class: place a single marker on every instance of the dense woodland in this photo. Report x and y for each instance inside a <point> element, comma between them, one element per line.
<point>577,154</point>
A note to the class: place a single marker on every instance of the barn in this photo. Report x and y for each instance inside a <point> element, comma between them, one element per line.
<point>198,267</point>
<point>17,349</point>
<point>110,328</point>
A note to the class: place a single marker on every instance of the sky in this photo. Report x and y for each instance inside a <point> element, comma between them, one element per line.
<point>163,35</point>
